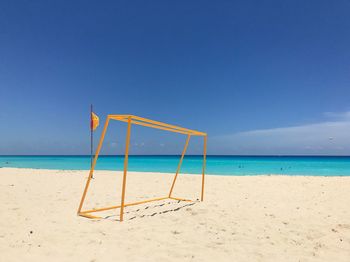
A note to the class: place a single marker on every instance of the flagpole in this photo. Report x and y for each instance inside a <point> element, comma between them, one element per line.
<point>91,136</point>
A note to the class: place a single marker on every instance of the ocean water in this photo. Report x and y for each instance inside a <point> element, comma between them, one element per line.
<point>216,165</point>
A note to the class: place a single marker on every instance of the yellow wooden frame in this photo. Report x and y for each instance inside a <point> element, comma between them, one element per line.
<point>131,119</point>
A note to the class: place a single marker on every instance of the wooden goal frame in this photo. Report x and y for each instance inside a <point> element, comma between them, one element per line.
<point>131,119</point>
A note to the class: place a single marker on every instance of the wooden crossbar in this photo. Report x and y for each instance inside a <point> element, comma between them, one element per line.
<point>155,124</point>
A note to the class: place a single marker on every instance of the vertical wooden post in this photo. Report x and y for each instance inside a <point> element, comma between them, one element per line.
<point>93,164</point>
<point>125,168</point>
<point>179,165</point>
<point>204,165</point>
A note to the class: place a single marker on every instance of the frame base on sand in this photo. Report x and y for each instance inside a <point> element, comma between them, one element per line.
<point>88,215</point>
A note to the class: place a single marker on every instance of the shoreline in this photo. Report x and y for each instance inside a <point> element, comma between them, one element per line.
<point>220,165</point>
<point>166,173</point>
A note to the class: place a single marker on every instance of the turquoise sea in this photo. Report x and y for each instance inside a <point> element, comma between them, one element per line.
<point>216,165</point>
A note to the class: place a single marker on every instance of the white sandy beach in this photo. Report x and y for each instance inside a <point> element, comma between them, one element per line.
<point>257,218</point>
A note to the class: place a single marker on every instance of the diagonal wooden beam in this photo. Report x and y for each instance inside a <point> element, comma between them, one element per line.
<point>179,165</point>
<point>93,165</point>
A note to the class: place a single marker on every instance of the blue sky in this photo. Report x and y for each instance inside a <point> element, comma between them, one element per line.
<point>261,77</point>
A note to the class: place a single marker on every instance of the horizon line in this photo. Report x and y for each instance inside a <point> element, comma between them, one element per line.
<point>212,155</point>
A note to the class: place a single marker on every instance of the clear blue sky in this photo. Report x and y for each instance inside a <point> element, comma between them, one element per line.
<point>261,77</point>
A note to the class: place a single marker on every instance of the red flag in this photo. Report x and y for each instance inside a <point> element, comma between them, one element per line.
<point>95,121</point>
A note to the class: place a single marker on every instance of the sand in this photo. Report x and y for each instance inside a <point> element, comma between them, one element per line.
<point>256,218</point>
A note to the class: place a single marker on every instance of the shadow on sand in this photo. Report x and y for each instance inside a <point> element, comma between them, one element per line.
<point>165,208</point>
